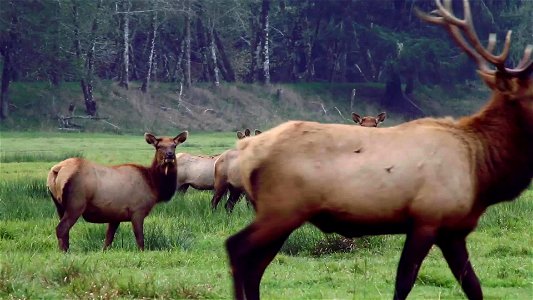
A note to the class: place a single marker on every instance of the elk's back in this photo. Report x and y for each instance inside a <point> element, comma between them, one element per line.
<point>360,175</point>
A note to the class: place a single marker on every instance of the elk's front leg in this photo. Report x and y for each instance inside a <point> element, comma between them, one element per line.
<point>137,222</point>
<point>417,245</point>
<point>454,251</point>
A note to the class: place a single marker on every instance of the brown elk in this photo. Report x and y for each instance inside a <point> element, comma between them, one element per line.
<point>369,121</point>
<point>196,171</point>
<point>113,194</point>
<point>228,177</point>
<point>430,179</point>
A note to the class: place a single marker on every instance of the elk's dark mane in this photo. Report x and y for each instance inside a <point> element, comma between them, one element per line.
<point>502,141</point>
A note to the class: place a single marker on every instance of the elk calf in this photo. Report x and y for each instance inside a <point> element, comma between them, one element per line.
<point>113,194</point>
<point>430,179</point>
<point>227,175</point>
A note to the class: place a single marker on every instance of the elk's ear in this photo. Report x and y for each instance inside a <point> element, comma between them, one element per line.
<point>356,118</point>
<point>180,138</point>
<point>247,132</point>
<point>381,117</point>
<point>240,135</point>
<point>150,139</point>
<point>256,132</point>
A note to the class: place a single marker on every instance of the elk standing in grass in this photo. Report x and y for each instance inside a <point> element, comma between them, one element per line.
<point>196,171</point>
<point>369,121</point>
<point>430,179</point>
<point>227,175</point>
<point>113,194</point>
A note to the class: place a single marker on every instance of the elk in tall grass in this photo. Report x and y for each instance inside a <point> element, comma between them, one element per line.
<point>228,177</point>
<point>430,179</point>
<point>113,194</point>
<point>369,121</point>
<point>196,171</point>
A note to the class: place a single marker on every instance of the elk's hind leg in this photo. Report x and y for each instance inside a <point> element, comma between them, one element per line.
<point>417,245</point>
<point>71,215</point>
<point>234,196</point>
<point>454,251</point>
<point>219,191</point>
<point>110,234</point>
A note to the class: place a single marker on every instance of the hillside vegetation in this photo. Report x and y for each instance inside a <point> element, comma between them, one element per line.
<point>37,106</point>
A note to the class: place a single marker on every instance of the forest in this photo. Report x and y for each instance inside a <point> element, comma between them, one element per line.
<point>188,42</point>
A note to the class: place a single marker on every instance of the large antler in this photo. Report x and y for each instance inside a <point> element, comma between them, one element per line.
<point>445,17</point>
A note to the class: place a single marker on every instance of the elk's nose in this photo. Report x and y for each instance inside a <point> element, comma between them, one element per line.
<point>169,155</point>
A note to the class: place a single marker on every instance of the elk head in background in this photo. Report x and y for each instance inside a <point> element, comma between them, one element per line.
<point>369,121</point>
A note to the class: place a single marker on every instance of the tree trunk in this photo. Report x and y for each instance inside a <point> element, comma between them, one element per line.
<point>216,79</point>
<point>188,81</point>
<point>255,47</point>
<point>202,45</point>
<point>230,73</point>
<point>90,104</point>
<point>125,24</point>
<point>264,41</point>
<point>395,100</point>
<point>77,48</point>
<point>310,67</point>
<point>153,34</point>
<point>7,53</point>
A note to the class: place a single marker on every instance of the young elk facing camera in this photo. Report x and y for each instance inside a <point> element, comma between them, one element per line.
<point>113,194</point>
<point>430,179</point>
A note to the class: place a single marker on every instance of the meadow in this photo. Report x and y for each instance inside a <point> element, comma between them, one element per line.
<point>185,256</point>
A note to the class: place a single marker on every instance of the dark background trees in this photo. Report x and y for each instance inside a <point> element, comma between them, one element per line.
<point>278,41</point>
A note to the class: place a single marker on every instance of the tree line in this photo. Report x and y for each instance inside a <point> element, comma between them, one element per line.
<point>191,41</point>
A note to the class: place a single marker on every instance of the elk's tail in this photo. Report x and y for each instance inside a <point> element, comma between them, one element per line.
<point>58,181</point>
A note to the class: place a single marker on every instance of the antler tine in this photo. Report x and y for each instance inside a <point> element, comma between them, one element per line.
<point>526,58</point>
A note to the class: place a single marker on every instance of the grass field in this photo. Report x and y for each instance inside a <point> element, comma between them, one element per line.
<point>185,257</point>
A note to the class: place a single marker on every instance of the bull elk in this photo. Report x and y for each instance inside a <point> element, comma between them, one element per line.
<point>369,121</point>
<point>430,179</point>
<point>228,177</point>
<point>113,194</point>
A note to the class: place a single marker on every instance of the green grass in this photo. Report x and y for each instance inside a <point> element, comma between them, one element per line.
<point>185,257</point>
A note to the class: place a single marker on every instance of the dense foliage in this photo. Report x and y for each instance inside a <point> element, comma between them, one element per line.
<point>188,41</point>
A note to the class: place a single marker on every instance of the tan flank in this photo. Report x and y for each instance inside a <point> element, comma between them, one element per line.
<point>369,121</point>
<point>113,194</point>
<point>227,175</point>
<point>196,171</point>
<point>430,179</point>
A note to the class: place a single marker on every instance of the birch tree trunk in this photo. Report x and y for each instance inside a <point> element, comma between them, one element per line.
<point>125,75</point>
<point>7,53</point>
<point>212,46</point>
<point>264,38</point>
<point>188,81</point>
<point>153,34</point>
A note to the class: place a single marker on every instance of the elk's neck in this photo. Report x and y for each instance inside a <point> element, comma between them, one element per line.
<point>163,182</point>
<point>502,151</point>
